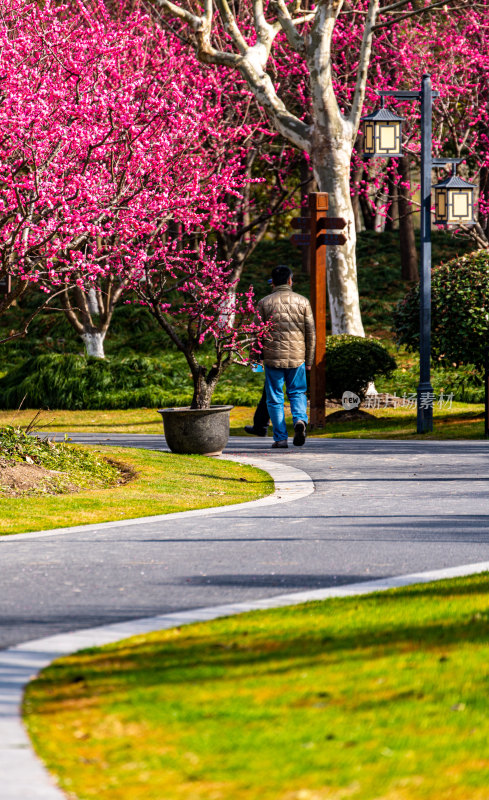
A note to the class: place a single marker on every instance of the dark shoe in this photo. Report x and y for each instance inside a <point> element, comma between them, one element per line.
<point>281,445</point>
<point>255,431</point>
<point>300,433</point>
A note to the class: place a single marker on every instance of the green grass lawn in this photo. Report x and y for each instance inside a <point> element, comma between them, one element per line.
<point>383,697</point>
<point>133,420</point>
<point>462,421</point>
<point>156,489</point>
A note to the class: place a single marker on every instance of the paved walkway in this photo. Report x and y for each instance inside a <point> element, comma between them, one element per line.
<point>380,509</point>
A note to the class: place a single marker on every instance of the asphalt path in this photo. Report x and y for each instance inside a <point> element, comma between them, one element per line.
<point>380,509</point>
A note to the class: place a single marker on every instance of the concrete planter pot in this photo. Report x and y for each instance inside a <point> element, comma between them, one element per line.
<point>202,431</point>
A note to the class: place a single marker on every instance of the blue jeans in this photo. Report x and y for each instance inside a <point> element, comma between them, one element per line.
<point>296,385</point>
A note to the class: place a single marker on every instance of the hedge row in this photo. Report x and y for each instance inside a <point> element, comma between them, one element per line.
<point>68,381</point>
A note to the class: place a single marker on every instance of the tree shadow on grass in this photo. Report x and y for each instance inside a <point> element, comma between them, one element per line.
<point>265,479</point>
<point>298,637</point>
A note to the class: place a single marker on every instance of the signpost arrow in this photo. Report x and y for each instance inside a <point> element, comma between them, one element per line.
<point>323,224</point>
<point>331,238</point>
<point>333,223</point>
<point>301,239</point>
<point>304,239</point>
<point>301,223</point>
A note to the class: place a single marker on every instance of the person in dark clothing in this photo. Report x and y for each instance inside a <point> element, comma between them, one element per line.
<point>261,418</point>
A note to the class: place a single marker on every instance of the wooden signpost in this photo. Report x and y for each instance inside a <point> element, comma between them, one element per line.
<point>312,228</point>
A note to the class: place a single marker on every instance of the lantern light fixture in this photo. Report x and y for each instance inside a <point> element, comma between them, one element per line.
<point>382,133</point>
<point>454,200</point>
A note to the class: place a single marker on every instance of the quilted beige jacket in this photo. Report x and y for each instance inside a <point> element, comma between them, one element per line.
<point>293,337</point>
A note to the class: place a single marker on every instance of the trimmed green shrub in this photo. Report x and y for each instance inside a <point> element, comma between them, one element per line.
<point>352,362</point>
<point>459,312</point>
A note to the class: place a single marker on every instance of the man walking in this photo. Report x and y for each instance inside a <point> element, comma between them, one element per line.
<point>288,352</point>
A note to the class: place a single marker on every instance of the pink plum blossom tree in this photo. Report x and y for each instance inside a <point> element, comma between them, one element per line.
<point>452,46</point>
<point>115,163</point>
<point>248,38</point>
<point>109,139</point>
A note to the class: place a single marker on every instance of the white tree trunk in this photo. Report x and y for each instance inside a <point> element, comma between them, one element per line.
<point>92,301</point>
<point>94,344</point>
<point>331,166</point>
<point>227,314</point>
<point>329,139</point>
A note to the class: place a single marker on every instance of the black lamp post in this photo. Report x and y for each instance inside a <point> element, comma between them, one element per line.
<point>455,193</point>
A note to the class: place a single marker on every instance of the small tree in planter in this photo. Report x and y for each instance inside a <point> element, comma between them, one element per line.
<point>188,292</point>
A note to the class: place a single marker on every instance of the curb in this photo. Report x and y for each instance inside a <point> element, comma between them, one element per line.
<point>291,483</point>
<point>24,776</point>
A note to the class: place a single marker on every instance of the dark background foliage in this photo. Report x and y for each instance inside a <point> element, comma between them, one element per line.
<point>143,368</point>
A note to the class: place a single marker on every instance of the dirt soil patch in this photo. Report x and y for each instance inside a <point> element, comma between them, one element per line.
<point>18,478</point>
<point>349,416</point>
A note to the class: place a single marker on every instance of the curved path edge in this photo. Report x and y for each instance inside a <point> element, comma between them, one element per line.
<point>291,483</point>
<point>23,775</point>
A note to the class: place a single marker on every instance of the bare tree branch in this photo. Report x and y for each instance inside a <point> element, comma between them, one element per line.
<point>264,30</point>
<point>417,12</point>
<point>288,25</point>
<point>363,63</point>
<point>231,26</point>
<point>181,13</point>
<point>251,63</point>
<point>23,332</point>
